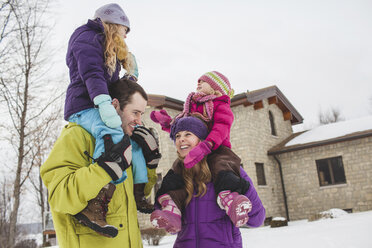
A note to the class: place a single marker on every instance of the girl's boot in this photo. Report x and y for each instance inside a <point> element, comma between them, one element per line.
<point>236,206</point>
<point>169,217</point>
<point>94,215</point>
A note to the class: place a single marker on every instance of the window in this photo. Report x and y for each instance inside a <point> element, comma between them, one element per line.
<point>330,171</point>
<point>260,172</point>
<point>272,124</point>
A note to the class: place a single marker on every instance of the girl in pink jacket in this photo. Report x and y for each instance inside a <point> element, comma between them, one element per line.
<point>211,103</point>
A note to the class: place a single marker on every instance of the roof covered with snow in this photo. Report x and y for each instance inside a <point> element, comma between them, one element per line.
<point>330,133</point>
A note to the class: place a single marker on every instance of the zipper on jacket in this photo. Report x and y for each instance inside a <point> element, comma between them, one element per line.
<point>196,221</point>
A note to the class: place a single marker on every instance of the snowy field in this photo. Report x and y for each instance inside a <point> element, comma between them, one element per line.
<point>344,231</point>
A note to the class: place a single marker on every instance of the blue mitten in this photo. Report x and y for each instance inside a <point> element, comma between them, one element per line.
<point>135,70</point>
<point>197,154</point>
<point>107,111</point>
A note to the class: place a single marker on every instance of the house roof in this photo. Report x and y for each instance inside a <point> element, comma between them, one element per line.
<point>255,98</point>
<point>161,101</point>
<point>274,96</point>
<point>326,134</point>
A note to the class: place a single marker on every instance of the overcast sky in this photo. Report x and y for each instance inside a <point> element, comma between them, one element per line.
<point>318,52</point>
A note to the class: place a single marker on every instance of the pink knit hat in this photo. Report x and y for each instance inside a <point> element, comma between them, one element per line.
<point>218,82</point>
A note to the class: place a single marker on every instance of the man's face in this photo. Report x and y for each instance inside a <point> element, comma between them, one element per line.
<point>132,113</point>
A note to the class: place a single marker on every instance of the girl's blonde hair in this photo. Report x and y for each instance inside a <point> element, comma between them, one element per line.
<point>116,48</point>
<point>199,175</point>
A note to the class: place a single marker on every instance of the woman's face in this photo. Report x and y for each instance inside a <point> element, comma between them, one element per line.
<point>185,141</point>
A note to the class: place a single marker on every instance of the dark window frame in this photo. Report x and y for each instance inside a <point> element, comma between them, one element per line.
<point>272,124</point>
<point>330,171</point>
<point>260,174</point>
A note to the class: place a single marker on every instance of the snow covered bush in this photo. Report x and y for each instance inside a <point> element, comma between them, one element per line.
<point>328,214</point>
<point>153,235</point>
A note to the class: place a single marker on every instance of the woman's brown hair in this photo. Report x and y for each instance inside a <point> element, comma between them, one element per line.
<point>197,176</point>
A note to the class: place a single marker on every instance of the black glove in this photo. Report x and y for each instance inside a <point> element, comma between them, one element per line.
<point>117,157</point>
<point>149,144</point>
<point>171,181</point>
<point>228,180</point>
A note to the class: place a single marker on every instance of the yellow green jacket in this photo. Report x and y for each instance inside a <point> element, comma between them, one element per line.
<point>72,181</point>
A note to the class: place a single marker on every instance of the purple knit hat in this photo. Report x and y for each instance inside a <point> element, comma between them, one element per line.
<point>191,124</point>
<point>218,82</point>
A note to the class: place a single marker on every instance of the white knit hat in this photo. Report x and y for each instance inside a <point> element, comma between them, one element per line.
<point>112,13</point>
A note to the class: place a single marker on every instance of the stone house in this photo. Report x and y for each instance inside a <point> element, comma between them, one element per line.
<point>286,180</point>
<point>327,167</point>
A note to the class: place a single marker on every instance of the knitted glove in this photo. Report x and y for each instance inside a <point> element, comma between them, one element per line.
<point>133,76</point>
<point>107,111</point>
<point>197,154</point>
<point>162,118</point>
<point>149,144</point>
<point>117,157</point>
<point>135,70</point>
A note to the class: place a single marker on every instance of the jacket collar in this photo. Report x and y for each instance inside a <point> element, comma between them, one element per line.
<point>223,98</point>
<point>96,24</point>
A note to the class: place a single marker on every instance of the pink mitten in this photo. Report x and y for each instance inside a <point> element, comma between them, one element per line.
<point>162,118</point>
<point>197,154</point>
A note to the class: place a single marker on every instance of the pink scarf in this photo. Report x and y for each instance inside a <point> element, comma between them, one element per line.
<point>198,97</point>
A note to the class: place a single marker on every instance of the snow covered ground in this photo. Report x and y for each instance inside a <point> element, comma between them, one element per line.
<point>345,231</point>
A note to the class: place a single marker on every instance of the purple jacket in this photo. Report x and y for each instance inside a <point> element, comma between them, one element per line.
<point>204,224</point>
<point>88,73</point>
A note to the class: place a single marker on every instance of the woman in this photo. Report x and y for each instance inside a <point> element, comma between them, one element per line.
<point>204,222</point>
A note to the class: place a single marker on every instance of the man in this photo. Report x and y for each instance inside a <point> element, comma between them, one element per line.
<point>72,180</point>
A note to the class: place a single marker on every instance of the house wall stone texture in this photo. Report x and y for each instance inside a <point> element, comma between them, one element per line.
<point>304,193</point>
<point>251,138</point>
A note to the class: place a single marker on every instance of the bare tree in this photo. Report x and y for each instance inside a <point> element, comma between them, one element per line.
<point>42,141</point>
<point>24,89</point>
<point>331,116</point>
<point>4,213</point>
<point>6,25</point>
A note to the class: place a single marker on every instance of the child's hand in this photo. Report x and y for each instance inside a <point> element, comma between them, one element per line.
<point>107,111</point>
<point>197,154</point>
<point>162,118</point>
<point>135,69</point>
